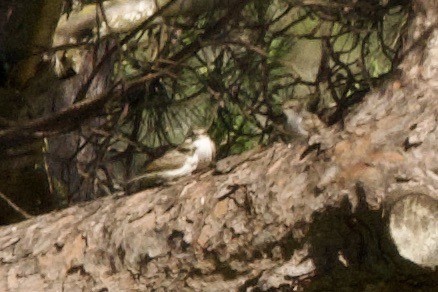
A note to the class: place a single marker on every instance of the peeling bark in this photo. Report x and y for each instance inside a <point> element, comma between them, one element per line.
<point>270,218</point>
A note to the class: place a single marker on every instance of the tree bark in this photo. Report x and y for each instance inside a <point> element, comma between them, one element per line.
<point>283,217</point>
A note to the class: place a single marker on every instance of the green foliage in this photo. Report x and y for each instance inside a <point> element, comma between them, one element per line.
<point>230,73</point>
<point>237,80</point>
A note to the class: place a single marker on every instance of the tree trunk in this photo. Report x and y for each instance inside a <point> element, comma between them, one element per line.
<point>26,29</point>
<point>284,217</point>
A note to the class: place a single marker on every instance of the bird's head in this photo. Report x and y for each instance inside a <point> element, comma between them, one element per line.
<point>196,132</point>
<point>293,105</point>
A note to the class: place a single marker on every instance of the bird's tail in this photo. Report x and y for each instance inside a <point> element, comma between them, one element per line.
<point>144,181</point>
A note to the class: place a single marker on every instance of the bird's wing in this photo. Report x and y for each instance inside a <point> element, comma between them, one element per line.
<point>186,146</point>
<point>170,160</point>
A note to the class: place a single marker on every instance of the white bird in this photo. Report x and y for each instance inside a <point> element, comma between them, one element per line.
<point>194,154</point>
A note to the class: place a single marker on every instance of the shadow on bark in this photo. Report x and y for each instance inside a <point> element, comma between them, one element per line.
<point>352,251</point>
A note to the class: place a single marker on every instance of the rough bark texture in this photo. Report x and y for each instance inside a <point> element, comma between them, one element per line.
<point>277,217</point>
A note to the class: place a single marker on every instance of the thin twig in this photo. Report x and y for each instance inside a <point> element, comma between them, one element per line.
<point>15,207</point>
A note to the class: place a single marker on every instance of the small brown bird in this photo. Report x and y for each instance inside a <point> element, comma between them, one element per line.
<point>300,123</point>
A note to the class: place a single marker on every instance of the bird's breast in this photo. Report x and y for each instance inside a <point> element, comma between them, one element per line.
<point>205,151</point>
